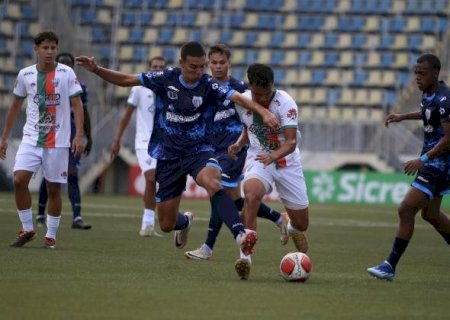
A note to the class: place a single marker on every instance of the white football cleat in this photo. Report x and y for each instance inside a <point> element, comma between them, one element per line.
<point>181,236</point>
<point>201,253</point>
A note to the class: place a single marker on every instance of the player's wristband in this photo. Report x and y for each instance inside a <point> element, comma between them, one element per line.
<point>424,158</point>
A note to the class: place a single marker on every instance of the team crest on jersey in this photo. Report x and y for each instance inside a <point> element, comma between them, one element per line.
<point>172,93</point>
<point>292,113</point>
<point>55,82</point>
<point>197,101</point>
<point>215,86</point>
<point>441,111</point>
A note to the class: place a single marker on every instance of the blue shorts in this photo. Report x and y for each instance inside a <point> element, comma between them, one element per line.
<point>231,169</point>
<point>171,174</point>
<point>431,181</point>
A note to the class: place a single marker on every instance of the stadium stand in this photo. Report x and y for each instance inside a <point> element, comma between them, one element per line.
<point>338,58</point>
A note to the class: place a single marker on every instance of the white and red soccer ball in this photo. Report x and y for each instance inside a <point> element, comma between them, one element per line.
<point>295,266</point>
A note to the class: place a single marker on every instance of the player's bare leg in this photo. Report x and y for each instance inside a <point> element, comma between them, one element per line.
<point>297,225</point>
<point>437,218</point>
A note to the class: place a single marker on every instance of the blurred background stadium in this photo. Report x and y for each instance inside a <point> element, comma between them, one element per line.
<point>347,63</point>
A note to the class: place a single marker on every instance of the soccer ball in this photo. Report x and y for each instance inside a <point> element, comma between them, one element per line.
<point>295,266</point>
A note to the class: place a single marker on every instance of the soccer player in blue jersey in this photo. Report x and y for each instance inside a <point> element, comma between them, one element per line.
<point>226,130</point>
<point>432,167</point>
<point>185,101</point>
<point>73,188</point>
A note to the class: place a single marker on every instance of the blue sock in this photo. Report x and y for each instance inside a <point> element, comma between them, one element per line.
<point>74,195</point>
<point>268,213</point>
<point>239,203</point>
<point>42,198</point>
<point>214,226</point>
<point>222,204</point>
<point>398,249</point>
<point>182,222</point>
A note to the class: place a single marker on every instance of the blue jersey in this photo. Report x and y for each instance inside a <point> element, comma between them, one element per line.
<point>227,125</point>
<point>435,109</point>
<point>183,112</point>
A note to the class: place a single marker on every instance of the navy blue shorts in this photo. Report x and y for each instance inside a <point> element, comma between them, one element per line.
<point>231,169</point>
<point>171,175</point>
<point>431,181</point>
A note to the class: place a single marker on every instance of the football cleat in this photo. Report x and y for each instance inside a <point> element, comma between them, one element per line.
<point>201,253</point>
<point>247,240</point>
<point>49,243</point>
<point>383,271</point>
<point>149,231</point>
<point>242,267</point>
<point>181,236</point>
<point>79,224</point>
<point>300,241</point>
<point>22,238</point>
<point>284,234</point>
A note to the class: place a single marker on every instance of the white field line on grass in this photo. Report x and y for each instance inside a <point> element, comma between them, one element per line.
<point>314,221</point>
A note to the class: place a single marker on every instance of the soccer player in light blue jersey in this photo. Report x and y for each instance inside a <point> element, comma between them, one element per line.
<point>432,167</point>
<point>185,101</point>
<point>226,130</point>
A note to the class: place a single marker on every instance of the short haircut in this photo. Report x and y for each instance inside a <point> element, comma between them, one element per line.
<point>192,49</point>
<point>65,54</point>
<point>157,58</point>
<point>260,75</point>
<point>220,48</point>
<point>46,35</point>
<point>431,59</point>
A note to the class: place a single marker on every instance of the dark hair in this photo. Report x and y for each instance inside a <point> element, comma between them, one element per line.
<point>65,54</point>
<point>156,58</point>
<point>220,48</point>
<point>192,49</point>
<point>260,75</point>
<point>431,59</point>
<point>46,35</point>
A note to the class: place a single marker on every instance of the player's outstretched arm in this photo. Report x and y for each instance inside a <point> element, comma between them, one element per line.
<point>11,117</point>
<point>393,117</point>
<point>268,117</point>
<point>112,76</point>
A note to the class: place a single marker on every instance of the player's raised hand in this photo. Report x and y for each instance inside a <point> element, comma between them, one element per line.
<point>87,62</point>
<point>392,118</point>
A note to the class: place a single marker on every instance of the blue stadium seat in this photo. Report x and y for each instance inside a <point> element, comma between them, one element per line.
<point>279,75</point>
<point>165,35</point>
<point>386,42</point>
<point>226,36</point>
<point>318,76</point>
<point>140,53</point>
<point>251,37</point>
<point>98,34</point>
<point>397,24</point>
<point>304,39</point>
<point>170,54</point>
<point>136,35</point>
<point>331,58</point>
<point>331,39</point>
<point>239,73</point>
<point>88,16</point>
<point>28,12</point>
<point>157,4</point>
<point>360,78</point>
<point>105,52</point>
<point>304,58</point>
<point>414,41</point>
<point>277,39</point>
<point>251,56</point>
<point>359,40</point>
<point>132,4</point>
<point>196,35</point>
<point>129,18</point>
<point>278,57</point>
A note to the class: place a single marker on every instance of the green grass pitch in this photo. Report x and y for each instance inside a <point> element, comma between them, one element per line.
<point>110,272</point>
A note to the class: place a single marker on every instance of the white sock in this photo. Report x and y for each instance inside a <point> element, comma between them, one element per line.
<point>148,218</point>
<point>206,248</point>
<point>243,256</point>
<point>52,226</point>
<point>26,217</point>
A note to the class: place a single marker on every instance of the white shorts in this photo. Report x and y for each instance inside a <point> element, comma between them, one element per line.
<point>289,181</point>
<point>54,161</point>
<point>145,161</point>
